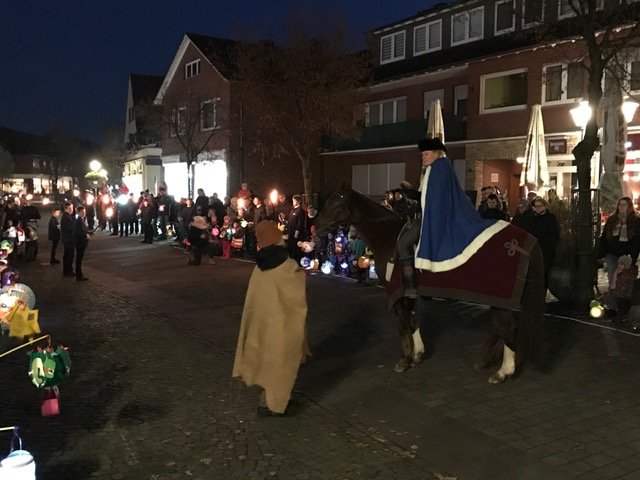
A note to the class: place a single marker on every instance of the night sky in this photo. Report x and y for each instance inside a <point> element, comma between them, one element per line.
<point>65,63</point>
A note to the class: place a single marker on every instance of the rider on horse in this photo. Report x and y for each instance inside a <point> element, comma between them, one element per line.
<point>448,230</point>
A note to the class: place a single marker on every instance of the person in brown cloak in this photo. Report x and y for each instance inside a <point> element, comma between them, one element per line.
<point>272,340</point>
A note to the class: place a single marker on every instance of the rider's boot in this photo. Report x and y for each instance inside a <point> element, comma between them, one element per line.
<point>409,280</point>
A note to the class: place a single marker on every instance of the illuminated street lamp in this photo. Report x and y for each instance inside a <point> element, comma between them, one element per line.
<point>628,108</point>
<point>95,166</point>
<point>581,115</point>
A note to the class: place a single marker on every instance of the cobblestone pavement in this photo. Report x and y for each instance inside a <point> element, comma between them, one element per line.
<point>150,394</point>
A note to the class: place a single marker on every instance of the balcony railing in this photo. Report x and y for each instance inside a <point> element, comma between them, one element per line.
<point>398,134</point>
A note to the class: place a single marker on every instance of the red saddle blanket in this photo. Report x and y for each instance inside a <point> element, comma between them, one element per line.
<point>495,275</point>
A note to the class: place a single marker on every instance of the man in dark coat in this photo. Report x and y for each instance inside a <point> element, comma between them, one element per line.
<point>146,220</point>
<point>54,233</point>
<point>296,227</point>
<point>66,236</point>
<point>80,240</point>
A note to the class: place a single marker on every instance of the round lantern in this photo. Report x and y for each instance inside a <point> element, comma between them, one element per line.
<point>8,277</point>
<point>19,464</point>
<point>315,264</point>
<point>363,262</point>
<point>305,262</point>
<point>23,292</point>
<point>327,267</point>
<point>596,310</point>
<point>6,245</point>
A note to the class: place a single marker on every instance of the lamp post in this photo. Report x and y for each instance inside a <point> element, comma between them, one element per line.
<point>581,116</point>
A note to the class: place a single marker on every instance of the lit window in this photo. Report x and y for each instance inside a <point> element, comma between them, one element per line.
<point>467,26</point>
<point>504,91</point>
<point>387,111</point>
<point>191,69</point>
<point>392,47</point>
<point>427,38</point>
<point>563,82</point>
<point>505,17</point>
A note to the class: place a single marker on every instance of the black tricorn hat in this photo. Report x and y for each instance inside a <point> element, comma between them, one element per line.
<point>431,144</point>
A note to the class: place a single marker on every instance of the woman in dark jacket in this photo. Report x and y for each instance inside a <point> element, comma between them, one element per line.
<point>620,236</point>
<point>545,227</point>
<point>494,209</point>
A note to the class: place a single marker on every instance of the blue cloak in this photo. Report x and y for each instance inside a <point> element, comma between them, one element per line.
<point>452,230</point>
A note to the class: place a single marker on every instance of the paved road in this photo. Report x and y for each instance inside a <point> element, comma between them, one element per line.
<point>149,397</point>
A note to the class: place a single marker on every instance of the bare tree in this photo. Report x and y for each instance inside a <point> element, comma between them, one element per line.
<point>608,36</point>
<point>299,93</point>
<point>191,119</point>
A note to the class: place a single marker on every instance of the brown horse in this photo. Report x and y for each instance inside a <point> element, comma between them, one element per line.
<point>517,332</point>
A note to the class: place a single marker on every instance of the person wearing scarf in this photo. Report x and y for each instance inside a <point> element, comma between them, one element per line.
<point>272,340</point>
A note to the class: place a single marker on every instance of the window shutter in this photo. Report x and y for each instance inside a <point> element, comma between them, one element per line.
<point>420,39</point>
<point>459,23</point>
<point>475,23</point>
<point>385,49</point>
<point>399,45</point>
<point>434,35</point>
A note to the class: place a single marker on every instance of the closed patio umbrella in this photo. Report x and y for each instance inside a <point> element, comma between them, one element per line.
<point>435,125</point>
<point>535,170</point>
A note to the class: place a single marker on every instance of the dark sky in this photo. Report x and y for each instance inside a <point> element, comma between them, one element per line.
<point>66,63</point>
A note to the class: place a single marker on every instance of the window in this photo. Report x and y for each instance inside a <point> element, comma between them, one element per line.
<point>427,38</point>
<point>505,17</point>
<point>130,114</point>
<point>504,91</point>
<point>533,11</point>
<point>563,82</point>
<point>387,111</point>
<point>429,97</point>
<point>208,112</point>
<point>460,93</point>
<point>178,121</point>
<point>375,179</point>
<point>392,47</point>
<point>565,10</point>
<point>634,72</point>
<point>191,69</point>
<point>467,26</point>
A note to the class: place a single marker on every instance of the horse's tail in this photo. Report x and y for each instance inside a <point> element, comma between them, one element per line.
<point>530,328</point>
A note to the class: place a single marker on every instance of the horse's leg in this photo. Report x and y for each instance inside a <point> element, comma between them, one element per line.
<point>507,369</point>
<point>403,309</point>
<point>490,352</point>
<point>418,344</point>
<point>504,323</point>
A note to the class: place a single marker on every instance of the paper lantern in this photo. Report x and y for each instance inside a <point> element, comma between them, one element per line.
<point>596,310</point>
<point>19,464</point>
<point>23,292</point>
<point>305,262</point>
<point>327,267</point>
<point>363,262</point>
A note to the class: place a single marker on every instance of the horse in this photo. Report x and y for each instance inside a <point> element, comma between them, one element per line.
<point>518,331</point>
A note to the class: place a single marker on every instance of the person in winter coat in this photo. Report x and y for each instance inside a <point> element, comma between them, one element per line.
<point>198,238</point>
<point>545,227</point>
<point>493,209</point>
<point>272,339</point>
<point>54,233</point>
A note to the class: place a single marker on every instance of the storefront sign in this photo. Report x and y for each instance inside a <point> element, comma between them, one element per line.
<point>557,147</point>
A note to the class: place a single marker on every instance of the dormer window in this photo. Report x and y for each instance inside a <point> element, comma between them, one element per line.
<point>192,68</point>
<point>392,47</point>
<point>533,12</point>
<point>467,26</point>
<point>427,38</point>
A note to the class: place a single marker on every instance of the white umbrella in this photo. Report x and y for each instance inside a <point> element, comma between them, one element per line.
<point>435,125</point>
<point>535,170</point>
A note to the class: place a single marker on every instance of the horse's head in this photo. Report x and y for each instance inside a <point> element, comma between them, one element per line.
<point>336,212</point>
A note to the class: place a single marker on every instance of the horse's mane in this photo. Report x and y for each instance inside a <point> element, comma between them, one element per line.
<point>373,210</point>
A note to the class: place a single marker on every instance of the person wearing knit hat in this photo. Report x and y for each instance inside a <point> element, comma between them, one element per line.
<point>272,339</point>
<point>267,234</point>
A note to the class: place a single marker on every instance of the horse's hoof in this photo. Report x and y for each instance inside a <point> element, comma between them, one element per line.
<point>416,361</point>
<point>498,378</point>
<point>401,366</point>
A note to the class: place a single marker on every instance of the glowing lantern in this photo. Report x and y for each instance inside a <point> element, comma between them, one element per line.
<point>596,310</point>
<point>106,199</point>
<point>363,262</point>
<point>327,267</point>
<point>45,201</point>
<point>76,192</point>
<point>273,196</point>
<point>19,464</point>
<point>305,262</point>
<point>109,212</point>
<point>29,197</point>
<point>90,199</point>
<point>315,264</point>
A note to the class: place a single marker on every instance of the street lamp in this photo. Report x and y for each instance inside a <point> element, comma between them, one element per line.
<point>581,115</point>
<point>95,166</point>
<point>628,108</point>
